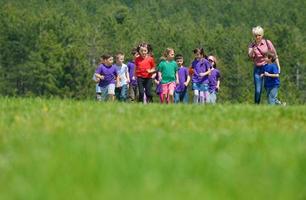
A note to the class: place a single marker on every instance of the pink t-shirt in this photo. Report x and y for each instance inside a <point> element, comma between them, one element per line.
<point>260,50</point>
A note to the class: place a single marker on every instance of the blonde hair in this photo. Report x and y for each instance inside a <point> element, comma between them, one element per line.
<point>258,30</point>
<point>166,53</point>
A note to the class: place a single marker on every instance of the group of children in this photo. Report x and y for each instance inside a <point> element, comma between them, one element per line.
<point>133,81</point>
<point>116,80</point>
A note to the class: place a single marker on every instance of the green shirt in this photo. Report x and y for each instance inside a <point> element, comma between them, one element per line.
<point>168,71</point>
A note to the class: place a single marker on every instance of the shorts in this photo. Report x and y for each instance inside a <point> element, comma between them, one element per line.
<point>107,90</point>
<point>200,86</point>
<point>168,88</point>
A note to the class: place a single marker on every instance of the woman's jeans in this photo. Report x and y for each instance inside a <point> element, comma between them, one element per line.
<point>258,82</point>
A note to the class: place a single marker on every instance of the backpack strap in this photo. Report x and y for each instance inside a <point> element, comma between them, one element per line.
<point>267,44</point>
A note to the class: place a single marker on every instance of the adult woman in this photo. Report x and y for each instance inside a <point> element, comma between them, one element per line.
<point>257,51</point>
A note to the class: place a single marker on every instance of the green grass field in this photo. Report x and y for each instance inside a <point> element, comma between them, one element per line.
<point>64,149</point>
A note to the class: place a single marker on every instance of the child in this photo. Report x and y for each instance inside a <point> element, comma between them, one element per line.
<point>167,70</point>
<point>271,76</point>
<point>144,68</point>
<point>96,80</point>
<point>198,55</point>
<point>214,80</point>
<point>124,78</point>
<point>158,89</point>
<point>181,94</point>
<point>108,76</point>
<point>133,89</point>
<point>200,80</point>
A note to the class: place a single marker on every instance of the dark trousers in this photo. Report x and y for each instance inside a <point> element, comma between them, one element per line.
<point>144,86</point>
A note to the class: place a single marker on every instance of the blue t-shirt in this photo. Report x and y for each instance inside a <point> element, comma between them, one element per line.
<point>271,82</point>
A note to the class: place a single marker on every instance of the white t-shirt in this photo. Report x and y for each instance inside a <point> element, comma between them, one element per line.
<point>122,73</point>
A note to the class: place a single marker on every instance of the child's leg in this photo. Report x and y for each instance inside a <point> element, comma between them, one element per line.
<point>164,93</point>
<point>202,97</point>
<point>104,93</point>
<point>176,97</point>
<point>171,87</point>
<point>111,92</point>
<point>272,96</point>
<point>185,96</point>
<point>117,93</point>
<point>148,87</point>
<point>196,96</point>
<point>98,96</point>
<point>123,93</point>
<point>98,92</point>
<point>140,82</point>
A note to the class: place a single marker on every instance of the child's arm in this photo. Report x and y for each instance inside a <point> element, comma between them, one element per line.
<point>271,75</point>
<point>177,78</point>
<point>205,73</point>
<point>117,81</point>
<point>218,84</point>
<point>187,81</point>
<point>99,76</point>
<point>127,76</point>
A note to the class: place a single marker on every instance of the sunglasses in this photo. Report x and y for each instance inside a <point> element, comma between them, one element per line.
<point>210,60</point>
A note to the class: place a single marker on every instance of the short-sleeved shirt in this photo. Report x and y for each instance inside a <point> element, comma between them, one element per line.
<point>202,66</point>
<point>213,80</point>
<point>182,76</point>
<point>260,50</point>
<point>109,73</point>
<point>143,65</point>
<point>194,63</point>
<point>168,70</point>
<point>122,73</point>
<point>271,82</point>
<point>131,67</point>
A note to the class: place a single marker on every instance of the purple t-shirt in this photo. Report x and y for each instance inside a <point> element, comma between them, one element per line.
<point>194,63</point>
<point>159,87</point>
<point>109,73</point>
<point>131,67</point>
<point>182,75</point>
<point>213,80</point>
<point>201,67</point>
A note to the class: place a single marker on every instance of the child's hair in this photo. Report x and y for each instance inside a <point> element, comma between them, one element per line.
<point>146,45</point>
<point>106,56</point>
<point>201,51</point>
<point>271,55</point>
<point>166,53</point>
<point>179,56</point>
<point>134,51</point>
<point>119,54</point>
<point>213,58</point>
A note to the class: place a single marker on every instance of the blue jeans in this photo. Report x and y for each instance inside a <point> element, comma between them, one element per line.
<point>122,92</point>
<point>258,82</point>
<point>272,96</point>
<point>181,96</point>
<point>212,98</point>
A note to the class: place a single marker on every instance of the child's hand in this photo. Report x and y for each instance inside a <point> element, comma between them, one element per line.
<point>267,74</point>
<point>186,84</point>
<point>101,77</point>
<point>262,75</point>
<point>201,74</point>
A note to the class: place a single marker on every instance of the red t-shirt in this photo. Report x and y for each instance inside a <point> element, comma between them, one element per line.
<point>143,65</point>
